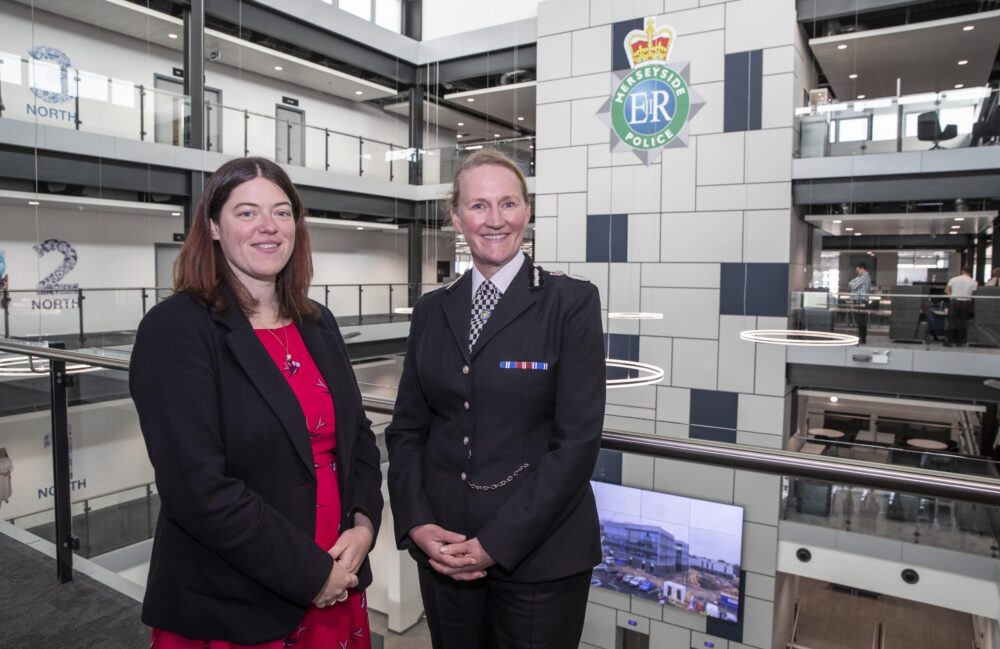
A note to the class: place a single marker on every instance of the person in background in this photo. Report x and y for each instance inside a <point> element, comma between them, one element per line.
<point>994,280</point>
<point>960,288</point>
<point>266,465</point>
<point>496,431</point>
<point>861,286</point>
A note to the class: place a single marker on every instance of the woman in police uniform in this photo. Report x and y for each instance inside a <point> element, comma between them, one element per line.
<point>496,430</point>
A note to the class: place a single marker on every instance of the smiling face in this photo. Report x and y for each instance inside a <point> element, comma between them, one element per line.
<point>492,213</point>
<point>256,231</point>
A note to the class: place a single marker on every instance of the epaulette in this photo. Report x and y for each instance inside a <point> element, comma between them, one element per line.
<point>535,277</point>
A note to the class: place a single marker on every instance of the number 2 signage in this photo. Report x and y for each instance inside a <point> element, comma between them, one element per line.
<point>53,282</point>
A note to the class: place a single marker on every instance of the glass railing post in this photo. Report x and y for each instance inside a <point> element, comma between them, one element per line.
<point>79,310</point>
<point>326,149</point>
<point>65,541</point>
<point>76,101</point>
<point>246,125</point>
<point>326,295</point>
<point>142,113</point>
<point>360,291</point>
<point>86,526</point>
<point>390,176</point>
<point>5,303</point>
<point>144,296</point>
<point>361,156</point>
<point>390,301</point>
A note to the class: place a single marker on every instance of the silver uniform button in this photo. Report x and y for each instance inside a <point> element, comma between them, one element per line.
<point>467,406</point>
<point>463,476</point>
<point>465,440</point>
<point>465,369</point>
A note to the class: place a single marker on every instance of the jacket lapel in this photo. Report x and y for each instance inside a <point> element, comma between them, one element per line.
<point>457,305</point>
<point>272,386</point>
<point>518,298</point>
<point>336,369</point>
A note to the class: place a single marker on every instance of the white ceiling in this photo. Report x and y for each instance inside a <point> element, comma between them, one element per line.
<point>505,104</point>
<point>924,56</point>
<point>155,27</point>
<point>87,204</point>
<point>903,223</point>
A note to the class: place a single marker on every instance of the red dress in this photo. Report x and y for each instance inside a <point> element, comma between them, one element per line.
<point>339,626</point>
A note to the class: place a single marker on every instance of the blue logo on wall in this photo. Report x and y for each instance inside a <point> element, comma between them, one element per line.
<point>57,57</point>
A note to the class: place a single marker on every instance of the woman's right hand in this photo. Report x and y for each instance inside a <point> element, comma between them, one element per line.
<point>335,588</point>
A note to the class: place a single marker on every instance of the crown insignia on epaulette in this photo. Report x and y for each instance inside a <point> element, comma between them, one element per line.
<point>649,46</point>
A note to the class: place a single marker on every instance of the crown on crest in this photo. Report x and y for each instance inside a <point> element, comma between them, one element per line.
<point>649,46</point>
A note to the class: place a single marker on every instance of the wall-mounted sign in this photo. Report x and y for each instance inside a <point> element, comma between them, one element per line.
<point>179,72</point>
<point>652,104</point>
<point>290,101</point>
<point>179,237</point>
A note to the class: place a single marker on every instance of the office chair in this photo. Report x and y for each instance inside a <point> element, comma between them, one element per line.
<point>929,129</point>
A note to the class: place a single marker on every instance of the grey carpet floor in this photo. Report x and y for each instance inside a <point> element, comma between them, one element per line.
<point>36,612</point>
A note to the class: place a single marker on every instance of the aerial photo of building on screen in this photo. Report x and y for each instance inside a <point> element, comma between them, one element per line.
<point>678,551</point>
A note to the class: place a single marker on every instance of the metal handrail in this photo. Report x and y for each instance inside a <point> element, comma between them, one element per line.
<point>171,288</point>
<point>832,469</point>
<point>105,362</point>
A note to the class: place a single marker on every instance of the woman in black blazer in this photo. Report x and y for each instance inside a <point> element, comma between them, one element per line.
<point>266,466</point>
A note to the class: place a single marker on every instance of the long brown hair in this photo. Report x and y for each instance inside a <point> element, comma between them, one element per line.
<point>202,270</point>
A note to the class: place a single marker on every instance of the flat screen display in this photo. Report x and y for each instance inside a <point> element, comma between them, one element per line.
<point>677,551</point>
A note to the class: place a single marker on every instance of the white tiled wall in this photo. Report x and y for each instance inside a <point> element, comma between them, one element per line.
<point>724,198</point>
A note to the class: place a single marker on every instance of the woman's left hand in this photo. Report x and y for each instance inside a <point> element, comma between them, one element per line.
<point>353,545</point>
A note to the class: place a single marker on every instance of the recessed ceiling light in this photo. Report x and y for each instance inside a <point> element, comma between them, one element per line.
<point>359,92</point>
<point>968,28</point>
<point>953,232</point>
<point>834,399</point>
<point>172,35</point>
<point>461,123</point>
<point>842,46</point>
<point>857,234</point>
<point>959,218</point>
<point>496,135</point>
<point>520,118</point>
<point>531,146</point>
<point>458,137</point>
<point>849,229</point>
<point>33,203</point>
<point>959,85</point>
<point>471,99</point>
<point>861,96</point>
<point>853,76</point>
<point>360,227</point>
<point>175,214</point>
<point>963,62</point>
<point>278,68</point>
<point>955,227</point>
<point>837,221</point>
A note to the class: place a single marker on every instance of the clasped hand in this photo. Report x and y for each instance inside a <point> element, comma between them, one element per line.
<point>451,554</point>
<point>348,554</point>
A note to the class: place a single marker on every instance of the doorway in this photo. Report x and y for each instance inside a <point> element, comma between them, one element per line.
<point>290,136</point>
<point>171,110</point>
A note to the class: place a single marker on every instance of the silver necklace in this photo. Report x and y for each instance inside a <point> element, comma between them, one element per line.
<point>291,365</point>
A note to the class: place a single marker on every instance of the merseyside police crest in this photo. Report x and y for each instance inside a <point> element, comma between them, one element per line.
<point>652,103</point>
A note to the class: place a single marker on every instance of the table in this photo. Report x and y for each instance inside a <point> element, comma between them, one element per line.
<point>826,432</point>
<point>926,444</point>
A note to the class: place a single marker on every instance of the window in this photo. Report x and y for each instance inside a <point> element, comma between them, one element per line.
<point>853,130</point>
<point>360,8</point>
<point>388,14</point>
<point>884,126</point>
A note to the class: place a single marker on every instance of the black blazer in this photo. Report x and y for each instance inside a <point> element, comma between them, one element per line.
<point>462,423</point>
<point>233,556</point>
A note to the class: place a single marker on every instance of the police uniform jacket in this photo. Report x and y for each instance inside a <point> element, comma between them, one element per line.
<point>500,444</point>
<point>234,556</point>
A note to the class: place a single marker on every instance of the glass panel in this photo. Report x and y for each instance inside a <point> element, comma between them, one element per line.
<point>388,14</point>
<point>360,8</point>
<point>853,130</point>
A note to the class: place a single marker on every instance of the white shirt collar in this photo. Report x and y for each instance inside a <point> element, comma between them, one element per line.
<point>502,278</point>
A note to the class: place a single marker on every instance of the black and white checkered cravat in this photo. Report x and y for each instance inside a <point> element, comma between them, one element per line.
<point>483,303</point>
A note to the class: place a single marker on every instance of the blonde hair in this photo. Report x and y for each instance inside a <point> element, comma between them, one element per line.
<point>479,159</point>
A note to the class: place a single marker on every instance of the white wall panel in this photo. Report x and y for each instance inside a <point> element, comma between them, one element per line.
<point>693,21</point>
<point>612,12</point>
<point>720,159</point>
<point>635,189</point>
<point>591,51</point>
<point>678,177</point>
<point>767,236</point>
<point>555,57</point>
<point>546,230</point>
<point>705,52</point>
<point>592,85</point>
<point>695,363</point>
<point>765,196</point>
<point>710,118</point>
<point>561,170</point>
<point>701,237</point>
<point>554,126</point>
<point>769,155</point>
<point>687,312</point>
<point>759,24</point>
<point>572,235</point>
<point>557,16</point>
<point>643,237</point>
<point>715,198</point>
<point>673,404</point>
<point>761,414</point>
<point>681,275</point>
<point>778,98</point>
<point>587,127</point>
<point>736,357</point>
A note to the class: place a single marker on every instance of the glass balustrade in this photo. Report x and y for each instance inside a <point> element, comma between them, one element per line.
<point>958,118</point>
<point>108,317</point>
<point>439,164</point>
<point>918,316</point>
